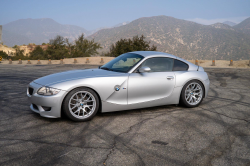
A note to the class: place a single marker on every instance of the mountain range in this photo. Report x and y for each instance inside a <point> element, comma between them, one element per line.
<point>244,26</point>
<point>183,38</point>
<point>229,23</point>
<point>37,31</point>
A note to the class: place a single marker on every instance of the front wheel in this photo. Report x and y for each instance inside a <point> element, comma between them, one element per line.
<point>81,104</point>
<point>192,93</point>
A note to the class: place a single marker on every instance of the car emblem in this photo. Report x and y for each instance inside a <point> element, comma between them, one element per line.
<point>117,88</point>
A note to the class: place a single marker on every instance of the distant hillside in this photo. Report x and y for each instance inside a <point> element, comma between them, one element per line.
<point>222,26</point>
<point>98,29</point>
<point>229,23</point>
<point>244,26</point>
<point>10,39</point>
<point>37,31</point>
<point>121,24</point>
<point>182,38</point>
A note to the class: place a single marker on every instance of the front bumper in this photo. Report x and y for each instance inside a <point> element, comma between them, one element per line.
<point>39,102</point>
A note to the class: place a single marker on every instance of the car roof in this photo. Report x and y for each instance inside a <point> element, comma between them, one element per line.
<point>153,54</point>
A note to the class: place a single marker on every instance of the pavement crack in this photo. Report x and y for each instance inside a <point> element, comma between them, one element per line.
<point>226,115</point>
<point>53,143</point>
<point>65,154</point>
<point>126,132</point>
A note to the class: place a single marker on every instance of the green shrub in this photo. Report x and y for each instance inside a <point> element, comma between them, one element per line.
<point>128,45</point>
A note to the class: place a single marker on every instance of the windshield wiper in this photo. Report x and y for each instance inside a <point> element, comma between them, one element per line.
<point>105,68</point>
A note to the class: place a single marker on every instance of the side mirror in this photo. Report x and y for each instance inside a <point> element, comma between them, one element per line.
<point>144,69</point>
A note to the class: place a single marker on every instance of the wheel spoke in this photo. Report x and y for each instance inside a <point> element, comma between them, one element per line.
<point>74,107</point>
<point>84,96</point>
<point>197,88</point>
<point>190,99</point>
<point>84,110</point>
<point>88,98</point>
<point>88,106</point>
<point>88,101</point>
<point>76,110</point>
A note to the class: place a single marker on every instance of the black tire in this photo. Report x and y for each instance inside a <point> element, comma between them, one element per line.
<point>183,99</point>
<point>66,110</point>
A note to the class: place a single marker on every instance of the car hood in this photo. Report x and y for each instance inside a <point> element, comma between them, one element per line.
<point>74,75</point>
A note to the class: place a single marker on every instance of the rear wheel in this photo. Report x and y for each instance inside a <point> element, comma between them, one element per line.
<point>81,104</point>
<point>192,93</point>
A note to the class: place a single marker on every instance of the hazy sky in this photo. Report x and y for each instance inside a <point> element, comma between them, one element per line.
<point>92,14</point>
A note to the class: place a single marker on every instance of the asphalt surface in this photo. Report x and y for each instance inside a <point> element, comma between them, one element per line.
<point>215,133</point>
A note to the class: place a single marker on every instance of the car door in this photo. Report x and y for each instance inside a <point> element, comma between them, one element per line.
<point>156,84</point>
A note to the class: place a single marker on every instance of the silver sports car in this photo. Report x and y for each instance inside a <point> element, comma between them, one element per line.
<point>130,81</point>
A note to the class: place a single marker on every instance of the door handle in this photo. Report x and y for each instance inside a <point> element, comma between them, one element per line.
<point>170,77</point>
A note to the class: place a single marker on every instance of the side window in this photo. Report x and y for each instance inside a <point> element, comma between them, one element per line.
<point>159,64</point>
<point>180,66</point>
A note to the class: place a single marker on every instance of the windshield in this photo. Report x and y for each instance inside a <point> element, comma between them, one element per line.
<point>123,63</point>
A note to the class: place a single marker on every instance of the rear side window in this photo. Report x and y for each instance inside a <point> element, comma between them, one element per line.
<point>180,66</point>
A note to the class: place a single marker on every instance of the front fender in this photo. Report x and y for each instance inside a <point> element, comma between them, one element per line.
<point>104,86</point>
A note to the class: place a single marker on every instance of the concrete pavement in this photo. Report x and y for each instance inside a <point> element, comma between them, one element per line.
<point>215,133</point>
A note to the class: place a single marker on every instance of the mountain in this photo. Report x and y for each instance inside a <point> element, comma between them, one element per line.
<point>98,29</point>
<point>222,26</point>
<point>244,26</point>
<point>121,24</point>
<point>229,23</point>
<point>183,38</point>
<point>11,38</point>
<point>38,31</point>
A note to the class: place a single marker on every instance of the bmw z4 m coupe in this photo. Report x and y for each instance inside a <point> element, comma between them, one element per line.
<point>130,81</point>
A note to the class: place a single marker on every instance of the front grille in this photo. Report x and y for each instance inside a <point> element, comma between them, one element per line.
<point>31,90</point>
<point>35,107</point>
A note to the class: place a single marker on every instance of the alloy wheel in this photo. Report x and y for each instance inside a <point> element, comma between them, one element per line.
<point>82,104</point>
<point>193,93</point>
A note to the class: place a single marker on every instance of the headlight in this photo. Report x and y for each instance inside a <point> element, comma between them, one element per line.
<point>47,91</point>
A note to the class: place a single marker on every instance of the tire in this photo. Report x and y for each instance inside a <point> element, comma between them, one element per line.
<point>192,94</point>
<point>81,104</point>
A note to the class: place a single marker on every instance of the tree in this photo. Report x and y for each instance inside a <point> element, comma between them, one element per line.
<point>128,45</point>
<point>19,54</point>
<point>84,47</point>
<point>71,47</point>
<point>57,48</point>
<point>38,53</point>
<point>3,55</point>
